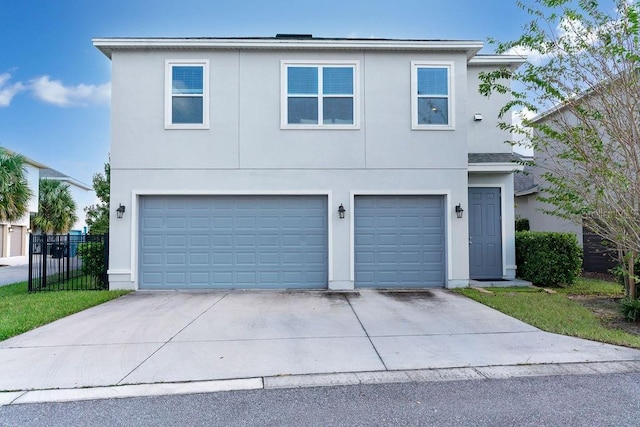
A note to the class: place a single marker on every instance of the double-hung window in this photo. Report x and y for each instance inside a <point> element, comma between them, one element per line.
<point>319,95</point>
<point>187,94</point>
<point>432,97</point>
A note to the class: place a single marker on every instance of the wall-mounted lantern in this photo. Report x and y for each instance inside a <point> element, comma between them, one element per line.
<point>10,229</point>
<point>341,211</point>
<point>120,211</point>
<point>459,210</point>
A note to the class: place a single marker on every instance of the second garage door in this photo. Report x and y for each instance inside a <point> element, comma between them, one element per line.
<point>399,241</point>
<point>191,242</point>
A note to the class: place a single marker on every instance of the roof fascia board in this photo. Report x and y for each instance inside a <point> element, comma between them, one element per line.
<point>515,60</point>
<point>69,180</point>
<point>494,167</point>
<point>107,45</point>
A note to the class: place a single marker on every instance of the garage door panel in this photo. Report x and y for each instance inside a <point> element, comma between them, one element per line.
<point>199,223</point>
<point>199,259</point>
<point>399,241</point>
<point>150,223</point>
<point>233,242</point>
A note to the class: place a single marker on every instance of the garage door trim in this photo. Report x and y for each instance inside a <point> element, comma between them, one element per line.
<point>134,219</point>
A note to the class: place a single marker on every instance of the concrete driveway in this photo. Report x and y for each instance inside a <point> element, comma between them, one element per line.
<point>283,339</point>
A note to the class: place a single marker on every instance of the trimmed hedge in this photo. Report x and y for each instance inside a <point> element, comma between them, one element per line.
<point>92,254</point>
<point>547,258</point>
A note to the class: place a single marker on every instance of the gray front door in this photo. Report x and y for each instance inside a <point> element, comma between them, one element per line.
<point>197,242</point>
<point>485,236</point>
<point>399,241</point>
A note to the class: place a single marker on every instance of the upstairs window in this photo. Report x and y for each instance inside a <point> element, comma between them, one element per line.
<point>187,95</point>
<point>432,100</point>
<point>319,95</point>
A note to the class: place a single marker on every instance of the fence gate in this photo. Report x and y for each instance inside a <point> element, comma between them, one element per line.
<point>68,262</point>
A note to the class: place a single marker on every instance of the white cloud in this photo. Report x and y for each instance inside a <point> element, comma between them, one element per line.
<point>8,91</point>
<point>56,93</point>
<point>522,145</point>
<point>532,56</point>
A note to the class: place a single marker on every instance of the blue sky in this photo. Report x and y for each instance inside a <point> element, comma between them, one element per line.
<point>54,85</point>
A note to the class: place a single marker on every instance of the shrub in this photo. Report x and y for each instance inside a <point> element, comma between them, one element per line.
<point>92,254</point>
<point>522,224</point>
<point>548,259</point>
<point>630,309</point>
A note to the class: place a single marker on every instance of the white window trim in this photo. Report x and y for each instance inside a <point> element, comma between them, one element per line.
<point>284,95</point>
<point>414,94</point>
<point>168,94</point>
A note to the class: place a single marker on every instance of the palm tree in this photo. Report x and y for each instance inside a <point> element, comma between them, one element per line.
<point>14,189</point>
<point>56,210</point>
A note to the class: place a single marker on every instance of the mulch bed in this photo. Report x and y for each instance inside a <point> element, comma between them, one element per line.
<point>607,310</point>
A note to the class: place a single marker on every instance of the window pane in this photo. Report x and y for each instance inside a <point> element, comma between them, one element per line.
<point>187,79</point>
<point>303,111</point>
<point>337,81</point>
<point>187,109</point>
<point>433,111</point>
<point>337,111</point>
<point>432,81</point>
<point>302,80</point>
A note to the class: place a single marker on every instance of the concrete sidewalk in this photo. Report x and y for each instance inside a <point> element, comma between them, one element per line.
<point>184,342</point>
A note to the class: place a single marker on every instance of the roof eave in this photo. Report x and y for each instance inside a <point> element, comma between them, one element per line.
<point>108,45</point>
<point>527,192</point>
<point>70,180</point>
<point>509,60</point>
<point>500,167</point>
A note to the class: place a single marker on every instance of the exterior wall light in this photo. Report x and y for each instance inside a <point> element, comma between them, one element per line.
<point>477,117</point>
<point>459,210</point>
<point>10,229</point>
<point>341,211</point>
<point>120,211</point>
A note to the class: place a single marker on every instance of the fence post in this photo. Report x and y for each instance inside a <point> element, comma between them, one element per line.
<point>30,280</point>
<point>44,246</point>
<point>105,276</point>
<point>67,252</point>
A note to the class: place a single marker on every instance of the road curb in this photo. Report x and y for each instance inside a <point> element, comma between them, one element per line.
<point>315,380</point>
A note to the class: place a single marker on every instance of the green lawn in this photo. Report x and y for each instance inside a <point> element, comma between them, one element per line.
<point>21,311</point>
<point>556,312</point>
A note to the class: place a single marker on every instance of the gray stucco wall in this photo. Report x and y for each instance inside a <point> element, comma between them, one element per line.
<point>246,152</point>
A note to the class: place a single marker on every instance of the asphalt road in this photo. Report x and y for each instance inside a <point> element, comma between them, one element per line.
<point>593,400</point>
<point>14,274</point>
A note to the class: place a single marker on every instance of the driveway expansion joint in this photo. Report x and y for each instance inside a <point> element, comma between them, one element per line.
<point>346,297</point>
<point>169,340</point>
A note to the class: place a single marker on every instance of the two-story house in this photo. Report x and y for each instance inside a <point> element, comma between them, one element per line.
<point>14,236</point>
<point>302,162</point>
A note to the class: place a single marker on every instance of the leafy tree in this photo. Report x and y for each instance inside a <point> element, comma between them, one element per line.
<point>582,79</point>
<point>98,214</point>
<point>14,189</point>
<point>56,208</point>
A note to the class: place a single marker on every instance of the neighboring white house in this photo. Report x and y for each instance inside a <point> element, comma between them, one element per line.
<point>81,193</point>
<point>301,162</point>
<point>14,236</point>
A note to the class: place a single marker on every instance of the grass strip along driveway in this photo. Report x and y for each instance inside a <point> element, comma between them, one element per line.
<point>21,311</point>
<point>566,312</point>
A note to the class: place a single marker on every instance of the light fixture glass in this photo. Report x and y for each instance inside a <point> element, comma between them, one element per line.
<point>459,210</point>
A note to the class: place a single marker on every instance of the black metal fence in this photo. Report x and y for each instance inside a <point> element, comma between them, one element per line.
<point>68,262</point>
